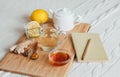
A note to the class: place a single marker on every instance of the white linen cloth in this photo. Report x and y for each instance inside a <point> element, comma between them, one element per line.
<point>103,15</point>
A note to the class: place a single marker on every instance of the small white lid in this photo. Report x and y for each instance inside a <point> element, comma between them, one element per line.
<point>63,12</point>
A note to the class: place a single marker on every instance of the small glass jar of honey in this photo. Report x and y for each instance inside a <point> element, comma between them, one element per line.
<point>59,57</point>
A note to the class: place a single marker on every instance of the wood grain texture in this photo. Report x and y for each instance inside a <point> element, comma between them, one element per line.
<point>41,67</point>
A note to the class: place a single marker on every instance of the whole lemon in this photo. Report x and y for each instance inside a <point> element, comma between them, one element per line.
<point>39,15</point>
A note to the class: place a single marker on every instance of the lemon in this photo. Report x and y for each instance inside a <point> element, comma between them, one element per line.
<point>33,29</point>
<point>39,15</point>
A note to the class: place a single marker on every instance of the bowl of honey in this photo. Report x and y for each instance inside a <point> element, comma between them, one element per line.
<point>59,57</point>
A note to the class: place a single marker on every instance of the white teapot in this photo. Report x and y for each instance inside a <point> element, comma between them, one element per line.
<point>64,19</point>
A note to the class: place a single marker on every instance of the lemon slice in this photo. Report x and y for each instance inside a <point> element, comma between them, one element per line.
<point>33,29</point>
<point>32,24</point>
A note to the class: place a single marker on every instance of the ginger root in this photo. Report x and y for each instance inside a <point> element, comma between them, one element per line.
<point>19,48</point>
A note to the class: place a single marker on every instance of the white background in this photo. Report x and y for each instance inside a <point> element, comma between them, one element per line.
<point>103,15</point>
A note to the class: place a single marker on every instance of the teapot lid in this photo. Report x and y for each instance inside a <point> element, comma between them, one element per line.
<point>62,12</point>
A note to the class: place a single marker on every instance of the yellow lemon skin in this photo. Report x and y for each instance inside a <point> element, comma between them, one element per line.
<point>39,15</point>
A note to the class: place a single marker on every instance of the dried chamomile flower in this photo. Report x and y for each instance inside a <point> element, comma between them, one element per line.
<point>53,35</point>
<point>53,30</point>
<point>45,35</point>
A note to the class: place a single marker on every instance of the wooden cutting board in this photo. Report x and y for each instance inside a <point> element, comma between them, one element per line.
<point>41,67</point>
<point>95,51</point>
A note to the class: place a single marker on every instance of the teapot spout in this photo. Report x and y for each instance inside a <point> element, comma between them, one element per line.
<point>51,13</point>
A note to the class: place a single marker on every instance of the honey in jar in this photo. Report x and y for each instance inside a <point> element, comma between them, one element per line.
<point>59,58</point>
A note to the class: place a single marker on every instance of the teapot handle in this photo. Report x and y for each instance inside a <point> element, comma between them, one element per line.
<point>78,19</point>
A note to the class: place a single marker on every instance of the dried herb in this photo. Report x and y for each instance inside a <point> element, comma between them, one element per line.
<point>26,53</point>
